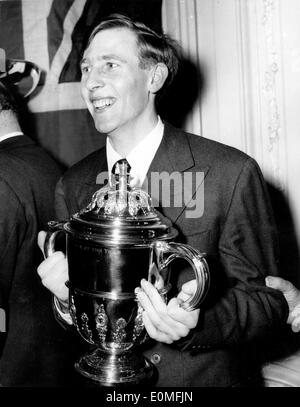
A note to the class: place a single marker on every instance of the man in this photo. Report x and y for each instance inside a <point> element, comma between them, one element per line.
<point>31,342</point>
<point>124,67</point>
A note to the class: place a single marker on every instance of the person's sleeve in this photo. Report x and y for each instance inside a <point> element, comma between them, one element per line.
<point>248,251</point>
<point>12,226</point>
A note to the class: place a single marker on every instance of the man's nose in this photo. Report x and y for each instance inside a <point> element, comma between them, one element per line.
<point>94,80</point>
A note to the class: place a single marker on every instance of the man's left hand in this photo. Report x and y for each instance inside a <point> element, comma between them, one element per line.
<point>167,322</point>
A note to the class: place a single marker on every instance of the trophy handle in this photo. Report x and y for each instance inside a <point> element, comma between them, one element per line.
<point>167,252</point>
<point>55,227</point>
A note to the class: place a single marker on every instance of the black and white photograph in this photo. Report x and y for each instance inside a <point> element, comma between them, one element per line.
<point>149,197</point>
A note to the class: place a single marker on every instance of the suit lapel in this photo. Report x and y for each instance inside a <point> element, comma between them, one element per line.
<point>175,158</point>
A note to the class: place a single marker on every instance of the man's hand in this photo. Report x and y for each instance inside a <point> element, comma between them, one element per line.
<point>53,272</point>
<point>167,322</point>
<point>292,296</point>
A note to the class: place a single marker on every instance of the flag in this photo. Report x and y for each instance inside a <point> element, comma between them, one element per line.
<point>51,33</point>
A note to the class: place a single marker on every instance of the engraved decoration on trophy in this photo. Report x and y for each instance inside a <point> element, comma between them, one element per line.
<point>117,240</point>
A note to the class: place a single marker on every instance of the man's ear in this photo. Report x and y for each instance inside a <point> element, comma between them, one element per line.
<point>159,74</point>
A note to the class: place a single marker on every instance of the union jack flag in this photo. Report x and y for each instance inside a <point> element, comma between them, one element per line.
<point>51,34</point>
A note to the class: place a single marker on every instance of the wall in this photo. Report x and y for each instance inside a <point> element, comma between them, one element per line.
<point>248,52</point>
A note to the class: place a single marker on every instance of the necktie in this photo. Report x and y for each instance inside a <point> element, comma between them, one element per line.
<point>133,178</point>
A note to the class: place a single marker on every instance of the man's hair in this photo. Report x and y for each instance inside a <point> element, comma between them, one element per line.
<point>153,47</point>
<point>7,99</point>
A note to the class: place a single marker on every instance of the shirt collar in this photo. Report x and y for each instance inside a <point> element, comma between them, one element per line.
<point>141,156</point>
<point>12,134</point>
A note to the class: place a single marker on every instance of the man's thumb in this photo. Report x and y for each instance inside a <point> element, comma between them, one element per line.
<point>187,290</point>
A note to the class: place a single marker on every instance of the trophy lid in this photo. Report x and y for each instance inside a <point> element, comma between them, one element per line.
<point>119,214</point>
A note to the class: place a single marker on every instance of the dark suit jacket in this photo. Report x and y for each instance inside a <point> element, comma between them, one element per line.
<point>237,232</point>
<point>32,348</point>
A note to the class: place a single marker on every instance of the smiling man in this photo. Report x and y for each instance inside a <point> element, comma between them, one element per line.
<point>124,67</point>
<point>119,89</point>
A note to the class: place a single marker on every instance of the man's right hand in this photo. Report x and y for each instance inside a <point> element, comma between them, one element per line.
<point>53,272</point>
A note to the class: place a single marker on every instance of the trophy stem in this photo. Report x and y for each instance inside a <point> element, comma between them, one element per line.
<point>114,369</point>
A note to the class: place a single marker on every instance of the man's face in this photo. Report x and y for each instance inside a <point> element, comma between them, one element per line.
<point>113,85</point>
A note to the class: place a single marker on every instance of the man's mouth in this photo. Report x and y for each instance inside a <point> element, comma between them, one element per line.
<point>103,103</point>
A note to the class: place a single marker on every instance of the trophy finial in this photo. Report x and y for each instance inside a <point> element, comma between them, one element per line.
<point>119,199</point>
<point>121,172</point>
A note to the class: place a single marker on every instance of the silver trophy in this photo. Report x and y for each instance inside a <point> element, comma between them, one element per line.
<point>117,240</point>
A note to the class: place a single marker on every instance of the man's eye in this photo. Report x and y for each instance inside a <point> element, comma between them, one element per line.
<point>84,68</point>
<point>111,65</point>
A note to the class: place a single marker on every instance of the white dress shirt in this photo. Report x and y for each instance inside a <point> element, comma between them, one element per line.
<point>140,157</point>
<point>12,134</point>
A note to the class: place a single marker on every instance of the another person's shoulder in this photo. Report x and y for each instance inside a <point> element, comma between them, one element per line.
<point>21,159</point>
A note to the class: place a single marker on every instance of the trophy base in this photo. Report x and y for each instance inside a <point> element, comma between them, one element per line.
<point>106,369</point>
